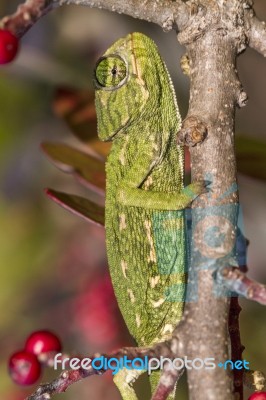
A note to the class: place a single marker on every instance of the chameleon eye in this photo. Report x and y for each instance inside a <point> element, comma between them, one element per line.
<point>111,72</point>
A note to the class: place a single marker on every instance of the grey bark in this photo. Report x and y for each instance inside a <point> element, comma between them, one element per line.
<point>213,39</point>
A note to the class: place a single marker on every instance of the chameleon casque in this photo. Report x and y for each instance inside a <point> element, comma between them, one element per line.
<point>145,230</point>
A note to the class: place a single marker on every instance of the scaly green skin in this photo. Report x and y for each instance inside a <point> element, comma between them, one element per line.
<point>145,235</point>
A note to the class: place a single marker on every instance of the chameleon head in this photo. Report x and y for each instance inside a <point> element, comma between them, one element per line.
<point>124,81</point>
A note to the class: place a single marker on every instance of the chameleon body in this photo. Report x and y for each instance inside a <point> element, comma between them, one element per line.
<point>145,235</point>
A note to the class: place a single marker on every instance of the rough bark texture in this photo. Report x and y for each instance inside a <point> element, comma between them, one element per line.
<point>164,12</point>
<point>212,42</point>
<point>214,33</point>
<point>214,93</point>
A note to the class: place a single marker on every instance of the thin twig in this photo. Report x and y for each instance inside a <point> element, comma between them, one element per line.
<point>27,14</point>
<point>61,384</point>
<point>236,346</point>
<point>238,282</point>
<point>69,377</point>
<point>257,35</point>
<point>167,383</point>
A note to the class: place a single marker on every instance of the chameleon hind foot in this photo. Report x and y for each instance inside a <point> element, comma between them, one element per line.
<point>154,381</point>
<point>124,380</point>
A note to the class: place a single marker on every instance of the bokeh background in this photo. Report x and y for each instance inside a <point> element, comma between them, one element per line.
<point>53,269</point>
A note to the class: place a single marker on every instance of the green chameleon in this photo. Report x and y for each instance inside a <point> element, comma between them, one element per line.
<point>145,233</point>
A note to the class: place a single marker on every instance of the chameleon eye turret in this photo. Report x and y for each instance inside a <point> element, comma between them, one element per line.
<point>111,72</point>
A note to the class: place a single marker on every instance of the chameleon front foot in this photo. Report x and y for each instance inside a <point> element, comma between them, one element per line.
<point>124,380</point>
<point>192,191</point>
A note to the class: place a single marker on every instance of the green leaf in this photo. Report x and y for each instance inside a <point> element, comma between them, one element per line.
<point>85,167</point>
<point>78,205</point>
<point>251,157</point>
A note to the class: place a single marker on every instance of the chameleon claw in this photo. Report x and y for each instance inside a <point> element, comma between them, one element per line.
<point>197,188</point>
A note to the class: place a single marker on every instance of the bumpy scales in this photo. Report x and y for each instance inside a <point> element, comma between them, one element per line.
<point>145,236</point>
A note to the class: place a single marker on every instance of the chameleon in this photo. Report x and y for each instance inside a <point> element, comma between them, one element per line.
<point>137,111</point>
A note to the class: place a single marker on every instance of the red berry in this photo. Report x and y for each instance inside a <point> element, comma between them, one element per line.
<point>42,342</point>
<point>8,46</point>
<point>24,368</point>
<point>258,396</point>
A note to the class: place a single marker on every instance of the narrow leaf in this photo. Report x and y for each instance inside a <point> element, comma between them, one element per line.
<point>78,205</point>
<point>87,168</point>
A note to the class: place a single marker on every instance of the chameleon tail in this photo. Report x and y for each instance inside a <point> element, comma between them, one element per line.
<point>124,380</point>
<point>154,380</point>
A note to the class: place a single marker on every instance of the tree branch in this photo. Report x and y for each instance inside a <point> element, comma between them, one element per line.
<point>167,383</point>
<point>236,346</point>
<point>166,13</point>
<point>26,16</point>
<point>257,34</point>
<point>238,282</point>
<point>69,377</point>
<point>213,39</point>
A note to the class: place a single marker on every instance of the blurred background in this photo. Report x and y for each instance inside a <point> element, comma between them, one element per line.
<point>53,269</point>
